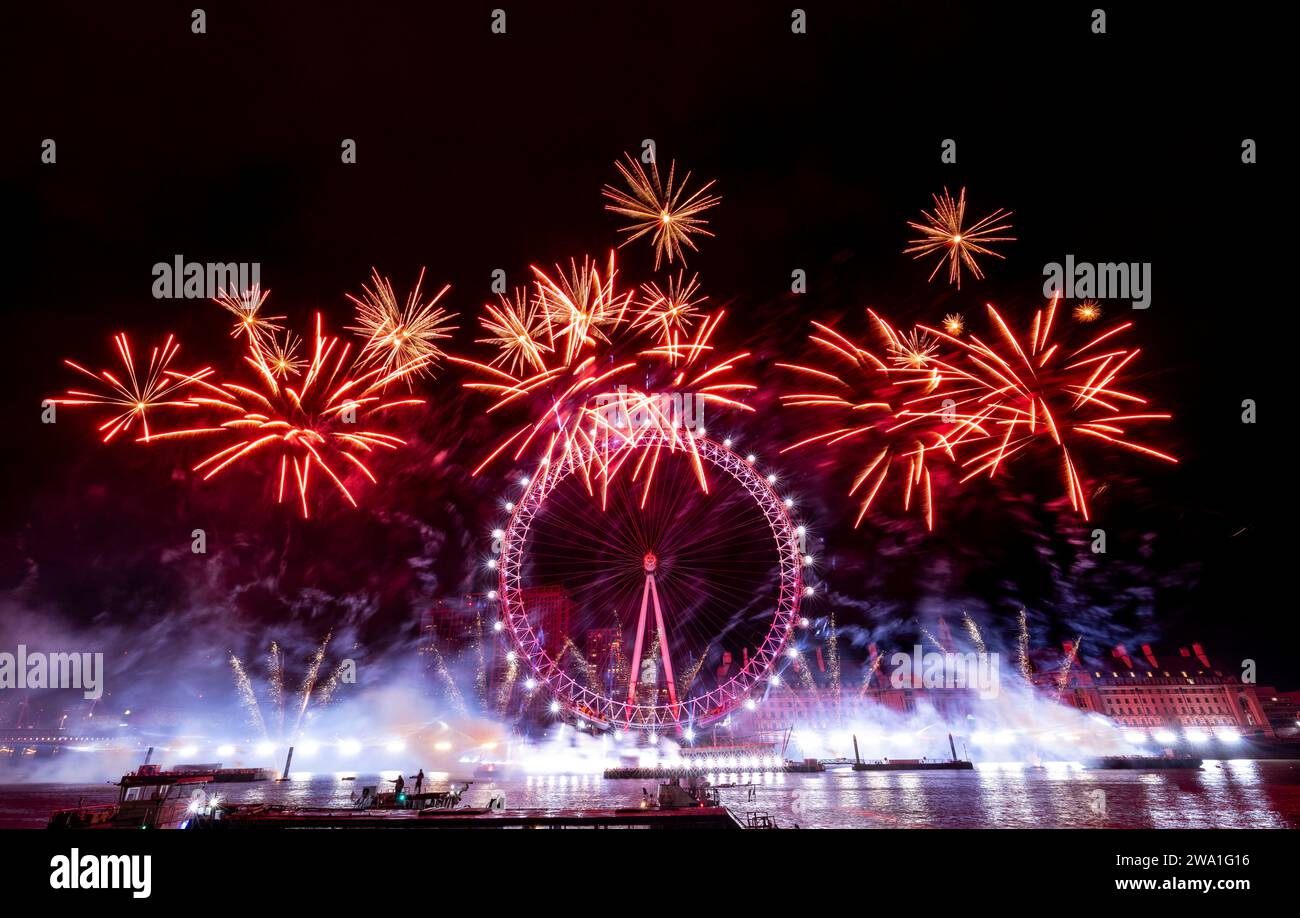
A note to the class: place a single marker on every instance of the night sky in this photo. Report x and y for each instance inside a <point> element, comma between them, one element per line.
<point>478,151</point>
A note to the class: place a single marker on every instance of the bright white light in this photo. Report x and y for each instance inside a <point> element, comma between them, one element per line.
<point>750,704</point>
<point>498,533</point>
<point>349,746</point>
<point>803,623</point>
<point>789,502</point>
<point>225,749</point>
<point>442,745</point>
<point>807,591</point>
<point>689,735</point>
<point>807,559</point>
<point>395,745</point>
<point>511,656</point>
<point>492,564</point>
<point>555,707</point>
<point>1136,737</point>
<point>265,748</point>
<point>1196,736</point>
<point>1165,736</point>
<point>1228,735</point>
<point>510,506</point>
<point>793,653</point>
<point>309,747</point>
<point>186,752</point>
<point>799,530</point>
<point>727,443</point>
<point>530,683</point>
<point>1004,738</point>
<point>775,680</point>
<point>524,481</point>
<point>981,737</point>
<point>751,458</point>
<point>771,479</point>
<point>497,626</point>
<point>492,594</point>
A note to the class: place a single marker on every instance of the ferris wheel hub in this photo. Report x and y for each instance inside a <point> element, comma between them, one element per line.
<point>650,562</point>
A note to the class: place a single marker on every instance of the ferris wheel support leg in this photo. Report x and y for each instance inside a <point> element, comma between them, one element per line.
<point>663,647</point>
<point>636,651</point>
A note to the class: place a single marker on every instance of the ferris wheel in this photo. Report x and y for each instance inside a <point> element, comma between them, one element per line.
<point>655,607</point>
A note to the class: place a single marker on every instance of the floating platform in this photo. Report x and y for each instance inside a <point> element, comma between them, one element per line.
<point>258,816</point>
<point>915,765</point>
<point>1146,762</point>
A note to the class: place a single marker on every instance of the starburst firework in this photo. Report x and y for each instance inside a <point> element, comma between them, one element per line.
<point>1028,389</point>
<point>664,210</point>
<point>945,234</point>
<point>396,333</point>
<point>246,307</point>
<point>668,313</point>
<point>519,330</point>
<point>135,393</point>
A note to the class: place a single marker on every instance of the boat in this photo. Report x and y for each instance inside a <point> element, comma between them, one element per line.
<point>924,764</point>
<point>227,775</point>
<point>693,805</point>
<point>1146,762</point>
<point>150,798</point>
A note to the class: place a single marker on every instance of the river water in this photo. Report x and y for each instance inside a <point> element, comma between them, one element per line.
<point>1222,794</point>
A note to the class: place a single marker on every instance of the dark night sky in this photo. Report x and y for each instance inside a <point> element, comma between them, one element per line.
<point>479,151</point>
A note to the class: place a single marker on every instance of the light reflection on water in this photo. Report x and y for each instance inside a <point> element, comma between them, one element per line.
<point>1232,794</point>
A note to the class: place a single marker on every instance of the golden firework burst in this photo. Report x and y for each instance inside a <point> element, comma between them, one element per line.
<point>954,324</point>
<point>664,210</point>
<point>944,233</point>
<point>246,307</point>
<point>399,335</point>
<point>668,313</point>
<point>519,330</point>
<point>1087,311</point>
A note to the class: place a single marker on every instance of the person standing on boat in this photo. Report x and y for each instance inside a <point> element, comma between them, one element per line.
<point>419,781</point>
<point>400,785</point>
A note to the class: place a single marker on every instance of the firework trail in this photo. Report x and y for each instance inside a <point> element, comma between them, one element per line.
<point>247,696</point>
<point>973,630</point>
<point>1063,681</point>
<point>135,393</point>
<point>452,690</point>
<point>933,640</point>
<point>692,671</point>
<point>275,678</point>
<point>944,233</point>
<point>665,211</point>
<point>507,686</point>
<point>246,307</point>
<point>587,668</point>
<point>873,668</point>
<point>326,690</point>
<point>309,681</point>
<point>1022,646</point>
<point>1034,388</point>
<point>480,668</point>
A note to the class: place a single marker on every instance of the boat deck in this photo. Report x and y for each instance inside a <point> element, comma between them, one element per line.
<point>264,817</point>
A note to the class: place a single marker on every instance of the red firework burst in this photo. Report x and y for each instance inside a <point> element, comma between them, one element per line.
<point>313,413</point>
<point>859,394</point>
<point>134,393</point>
<point>595,381</point>
<point>1030,388</point>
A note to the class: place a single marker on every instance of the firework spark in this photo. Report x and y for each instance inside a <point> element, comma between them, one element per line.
<point>282,356</point>
<point>669,313</point>
<point>247,696</point>
<point>945,234</point>
<point>860,398</point>
<point>246,307</point>
<point>582,395</point>
<point>401,334</point>
<point>1087,311</point>
<point>973,630</point>
<point>520,331</point>
<point>134,393</point>
<point>666,211</point>
<point>310,425</point>
<point>1030,388</point>
<point>954,324</point>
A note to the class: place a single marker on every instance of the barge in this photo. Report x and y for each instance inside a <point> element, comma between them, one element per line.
<point>1146,762</point>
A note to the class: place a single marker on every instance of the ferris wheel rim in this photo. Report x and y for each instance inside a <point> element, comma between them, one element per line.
<point>603,709</point>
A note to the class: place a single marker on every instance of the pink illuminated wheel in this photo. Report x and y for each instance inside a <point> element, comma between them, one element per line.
<point>656,609</point>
